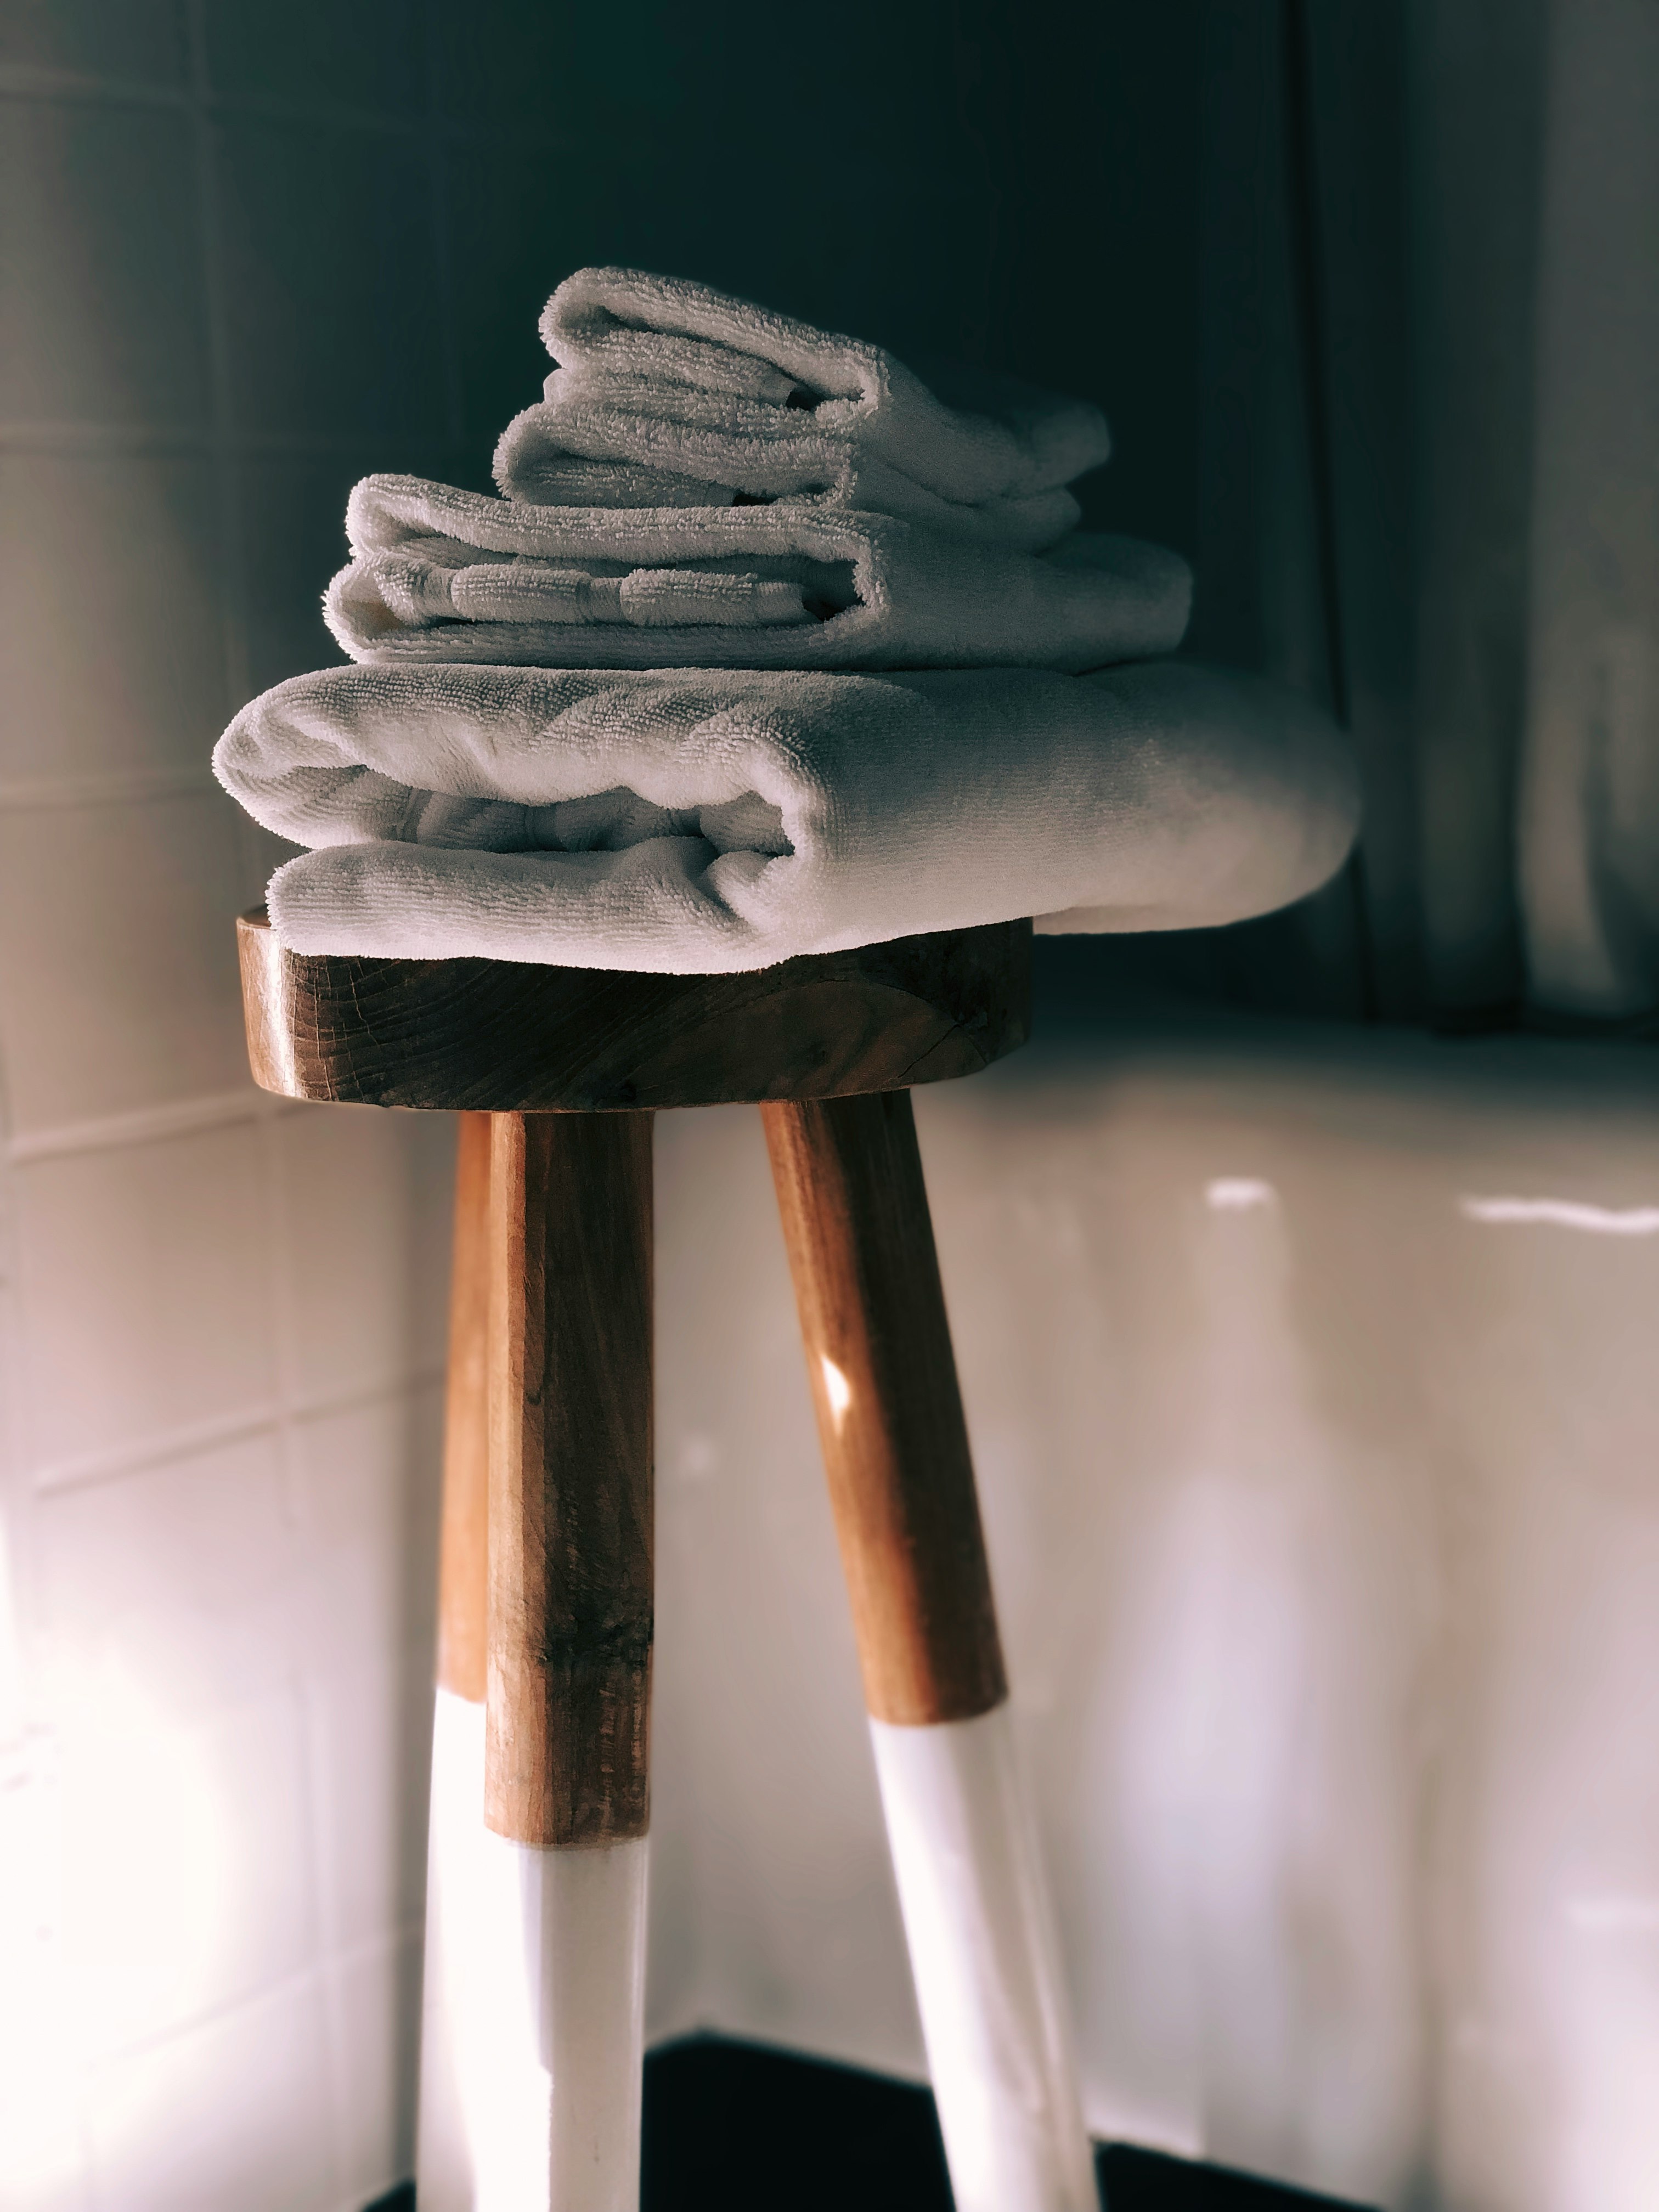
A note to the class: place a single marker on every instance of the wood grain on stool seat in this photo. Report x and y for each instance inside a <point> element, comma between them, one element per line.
<point>512,1036</point>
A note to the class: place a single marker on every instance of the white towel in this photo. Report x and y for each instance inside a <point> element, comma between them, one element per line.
<point>668,394</point>
<point>708,821</point>
<point>443,575</point>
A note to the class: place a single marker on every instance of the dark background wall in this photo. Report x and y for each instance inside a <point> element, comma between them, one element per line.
<point>1191,213</point>
<point>346,221</point>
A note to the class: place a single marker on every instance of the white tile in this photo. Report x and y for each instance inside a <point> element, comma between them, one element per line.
<point>379,1997</point>
<point>372,1733</point>
<point>368,1480</point>
<point>40,2172</point>
<point>232,2117</point>
<point>144,1281</point>
<point>110,629</point>
<point>64,2187</point>
<point>187,1863</point>
<point>101,245</point>
<point>365,1199</point>
<point>42,2146</point>
<point>119,987</point>
<point>330,281</point>
<point>175,1583</point>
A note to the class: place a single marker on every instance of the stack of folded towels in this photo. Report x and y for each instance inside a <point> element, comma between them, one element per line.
<point>611,719</point>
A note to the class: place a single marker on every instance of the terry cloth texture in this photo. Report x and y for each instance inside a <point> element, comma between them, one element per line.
<point>668,394</point>
<point>708,821</point>
<point>441,574</point>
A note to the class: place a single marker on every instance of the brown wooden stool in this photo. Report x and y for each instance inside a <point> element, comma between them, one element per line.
<point>531,2044</point>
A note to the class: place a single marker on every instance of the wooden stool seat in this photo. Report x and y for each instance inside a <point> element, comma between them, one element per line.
<point>508,1036</point>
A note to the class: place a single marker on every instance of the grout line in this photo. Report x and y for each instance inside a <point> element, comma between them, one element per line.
<point>49,87</point>
<point>185,1442</point>
<point>25,80</point>
<point>136,786</point>
<point>191,1439</point>
<point>236,663</point>
<point>147,1125</point>
<point>103,440</point>
<point>443,231</point>
<point>289,1410</point>
<point>281,1339</point>
<point>125,440</point>
<point>232,552</point>
<point>386,1944</point>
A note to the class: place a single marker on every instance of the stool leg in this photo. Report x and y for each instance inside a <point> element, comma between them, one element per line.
<point>569,1631</point>
<point>454,2043</point>
<point>861,1241</point>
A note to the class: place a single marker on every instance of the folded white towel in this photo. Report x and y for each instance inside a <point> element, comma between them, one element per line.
<point>668,394</point>
<point>706,821</point>
<point>443,575</point>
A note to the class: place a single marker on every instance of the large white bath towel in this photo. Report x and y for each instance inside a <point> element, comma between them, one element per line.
<point>707,821</point>
<point>668,394</point>
<point>443,575</point>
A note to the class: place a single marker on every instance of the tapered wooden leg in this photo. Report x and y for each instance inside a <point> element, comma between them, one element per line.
<point>855,1220</point>
<point>530,2068</point>
<point>452,2048</point>
<point>569,1637</point>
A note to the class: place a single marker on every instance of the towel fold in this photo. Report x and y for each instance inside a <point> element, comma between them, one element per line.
<point>668,394</point>
<point>443,575</point>
<point>709,821</point>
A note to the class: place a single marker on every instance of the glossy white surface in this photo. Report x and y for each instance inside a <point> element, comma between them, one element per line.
<point>981,1934</point>
<point>1311,1383</point>
<point>445,2161</point>
<point>534,2013</point>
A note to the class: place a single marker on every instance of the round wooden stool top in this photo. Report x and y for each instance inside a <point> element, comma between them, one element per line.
<point>511,1037</point>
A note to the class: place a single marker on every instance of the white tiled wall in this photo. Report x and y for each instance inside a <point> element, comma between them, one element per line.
<point>225,299</point>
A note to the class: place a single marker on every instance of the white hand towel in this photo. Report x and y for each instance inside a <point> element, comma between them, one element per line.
<point>669,394</point>
<point>705,821</point>
<point>443,575</point>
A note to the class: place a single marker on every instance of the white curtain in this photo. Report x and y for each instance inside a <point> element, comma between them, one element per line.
<point>1589,800</point>
<point>1429,271</point>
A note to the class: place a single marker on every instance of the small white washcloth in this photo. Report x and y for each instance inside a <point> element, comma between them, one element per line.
<point>668,394</point>
<point>705,821</point>
<point>443,575</point>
